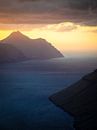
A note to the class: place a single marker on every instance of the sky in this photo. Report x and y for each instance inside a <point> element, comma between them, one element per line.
<point>70,25</point>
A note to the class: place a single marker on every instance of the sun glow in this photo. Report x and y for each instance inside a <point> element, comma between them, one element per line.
<point>65,36</point>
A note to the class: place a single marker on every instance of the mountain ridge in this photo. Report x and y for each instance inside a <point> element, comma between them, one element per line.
<point>32,48</point>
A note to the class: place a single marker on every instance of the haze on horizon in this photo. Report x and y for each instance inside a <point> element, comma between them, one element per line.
<point>70,25</point>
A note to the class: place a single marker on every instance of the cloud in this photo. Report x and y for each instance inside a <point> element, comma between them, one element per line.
<point>28,0</point>
<point>67,28</point>
<point>22,27</point>
<point>61,27</point>
<point>82,4</point>
<point>82,12</point>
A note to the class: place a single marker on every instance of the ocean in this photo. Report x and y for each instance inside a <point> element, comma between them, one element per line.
<point>25,88</point>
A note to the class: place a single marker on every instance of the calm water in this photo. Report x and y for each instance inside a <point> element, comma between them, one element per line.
<point>25,88</point>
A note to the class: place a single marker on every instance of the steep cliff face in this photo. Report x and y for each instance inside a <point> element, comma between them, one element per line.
<point>80,100</point>
<point>32,48</point>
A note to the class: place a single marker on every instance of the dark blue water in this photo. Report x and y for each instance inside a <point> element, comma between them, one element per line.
<point>24,91</point>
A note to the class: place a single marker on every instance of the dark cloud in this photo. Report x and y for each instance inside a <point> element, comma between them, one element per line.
<point>28,0</point>
<point>82,4</point>
<point>48,11</point>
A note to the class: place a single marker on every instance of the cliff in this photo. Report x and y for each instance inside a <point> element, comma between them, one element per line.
<point>80,100</point>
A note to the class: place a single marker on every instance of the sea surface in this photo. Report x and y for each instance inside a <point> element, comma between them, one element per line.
<point>25,89</point>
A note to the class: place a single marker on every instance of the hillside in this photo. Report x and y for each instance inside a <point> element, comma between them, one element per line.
<point>80,100</point>
<point>9,53</point>
<point>32,48</point>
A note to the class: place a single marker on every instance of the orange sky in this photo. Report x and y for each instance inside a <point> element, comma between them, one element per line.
<point>67,37</point>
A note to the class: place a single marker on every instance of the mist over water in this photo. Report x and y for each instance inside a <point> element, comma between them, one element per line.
<point>26,86</point>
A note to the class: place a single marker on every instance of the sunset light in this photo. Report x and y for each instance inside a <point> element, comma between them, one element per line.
<point>68,37</point>
<point>48,61</point>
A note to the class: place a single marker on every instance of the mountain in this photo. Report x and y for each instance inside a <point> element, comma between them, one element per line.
<point>9,53</point>
<point>80,100</point>
<point>32,48</point>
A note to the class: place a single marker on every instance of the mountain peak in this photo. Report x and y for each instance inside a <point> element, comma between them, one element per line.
<point>15,37</point>
<point>17,34</point>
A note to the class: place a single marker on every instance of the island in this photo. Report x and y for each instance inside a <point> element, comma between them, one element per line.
<point>33,49</point>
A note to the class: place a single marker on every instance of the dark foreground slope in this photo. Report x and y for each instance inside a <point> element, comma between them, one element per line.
<point>9,53</point>
<point>80,100</point>
<point>32,48</point>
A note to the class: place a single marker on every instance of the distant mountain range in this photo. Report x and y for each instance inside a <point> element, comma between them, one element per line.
<point>18,47</point>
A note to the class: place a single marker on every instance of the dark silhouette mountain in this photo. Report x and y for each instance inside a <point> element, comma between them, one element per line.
<point>9,53</point>
<point>80,100</point>
<point>32,48</point>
